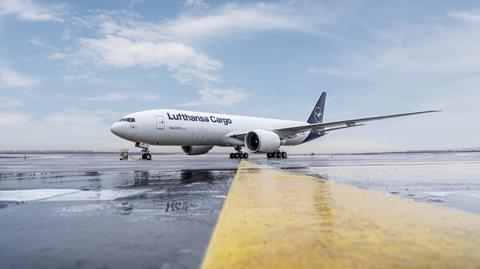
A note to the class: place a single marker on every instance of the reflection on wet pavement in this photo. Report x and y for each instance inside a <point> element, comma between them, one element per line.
<point>447,179</point>
<point>87,211</point>
<point>110,218</point>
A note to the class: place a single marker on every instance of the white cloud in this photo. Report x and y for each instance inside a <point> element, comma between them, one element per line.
<point>227,20</point>
<point>85,74</point>
<point>107,97</point>
<point>120,52</point>
<point>132,3</point>
<point>233,19</point>
<point>433,65</point>
<point>10,78</point>
<point>80,119</point>
<point>221,97</point>
<point>30,11</point>
<point>329,71</point>
<point>465,15</point>
<point>116,97</point>
<point>12,119</point>
<point>37,41</point>
<point>150,97</point>
<point>129,42</point>
<point>56,56</point>
<point>195,4</point>
<point>8,102</point>
<point>74,129</point>
<point>428,51</point>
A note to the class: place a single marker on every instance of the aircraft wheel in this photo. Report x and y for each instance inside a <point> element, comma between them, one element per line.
<point>284,155</point>
<point>232,156</point>
<point>277,155</point>
<point>269,155</point>
<point>235,155</point>
<point>245,155</point>
<point>148,156</point>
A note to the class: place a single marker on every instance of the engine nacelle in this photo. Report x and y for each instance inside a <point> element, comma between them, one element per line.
<point>262,141</point>
<point>196,150</point>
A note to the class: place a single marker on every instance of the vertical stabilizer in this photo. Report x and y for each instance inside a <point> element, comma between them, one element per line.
<point>317,113</point>
<point>316,117</point>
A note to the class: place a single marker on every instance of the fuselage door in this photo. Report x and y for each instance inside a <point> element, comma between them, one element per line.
<point>160,122</point>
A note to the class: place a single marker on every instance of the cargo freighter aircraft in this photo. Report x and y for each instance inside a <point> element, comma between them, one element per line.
<point>198,132</point>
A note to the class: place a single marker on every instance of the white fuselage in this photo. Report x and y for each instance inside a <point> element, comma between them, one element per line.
<point>188,128</point>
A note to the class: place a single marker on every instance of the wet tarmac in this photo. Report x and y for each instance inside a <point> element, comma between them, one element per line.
<point>97,212</point>
<point>444,179</point>
<point>94,211</point>
<point>273,218</point>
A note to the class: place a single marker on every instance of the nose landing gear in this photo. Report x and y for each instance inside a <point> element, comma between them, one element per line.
<point>239,154</point>
<point>145,151</point>
<point>277,155</point>
<point>147,156</point>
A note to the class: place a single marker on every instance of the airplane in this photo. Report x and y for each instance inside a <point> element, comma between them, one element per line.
<point>198,132</point>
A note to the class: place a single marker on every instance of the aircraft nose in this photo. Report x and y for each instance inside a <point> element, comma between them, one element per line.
<point>115,129</point>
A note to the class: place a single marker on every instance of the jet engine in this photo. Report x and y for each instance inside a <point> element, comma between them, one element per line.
<point>196,150</point>
<point>262,141</point>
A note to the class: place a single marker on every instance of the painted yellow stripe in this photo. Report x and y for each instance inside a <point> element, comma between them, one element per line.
<point>276,219</point>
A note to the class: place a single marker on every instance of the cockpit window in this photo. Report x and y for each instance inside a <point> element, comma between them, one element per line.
<point>127,119</point>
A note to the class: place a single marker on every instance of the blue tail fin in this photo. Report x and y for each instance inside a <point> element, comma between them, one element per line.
<point>317,113</point>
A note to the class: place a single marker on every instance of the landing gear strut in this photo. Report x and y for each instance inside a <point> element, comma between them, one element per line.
<point>277,155</point>
<point>145,151</point>
<point>239,154</point>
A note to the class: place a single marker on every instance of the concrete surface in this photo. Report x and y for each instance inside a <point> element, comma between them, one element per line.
<point>277,219</point>
<point>98,212</point>
<point>94,211</point>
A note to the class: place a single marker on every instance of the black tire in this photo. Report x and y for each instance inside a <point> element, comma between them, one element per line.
<point>148,156</point>
<point>143,156</point>
<point>231,155</point>
<point>245,155</point>
<point>240,155</point>
<point>277,155</point>
<point>284,155</point>
<point>269,155</point>
<point>235,155</point>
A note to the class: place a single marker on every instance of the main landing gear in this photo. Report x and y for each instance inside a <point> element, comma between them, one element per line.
<point>239,154</point>
<point>145,151</point>
<point>277,155</point>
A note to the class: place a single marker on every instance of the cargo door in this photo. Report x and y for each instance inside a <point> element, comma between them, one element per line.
<point>160,122</point>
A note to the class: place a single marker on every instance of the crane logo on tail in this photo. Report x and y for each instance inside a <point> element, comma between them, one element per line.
<point>318,114</point>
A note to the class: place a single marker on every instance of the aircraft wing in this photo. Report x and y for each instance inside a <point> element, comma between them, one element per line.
<point>335,125</point>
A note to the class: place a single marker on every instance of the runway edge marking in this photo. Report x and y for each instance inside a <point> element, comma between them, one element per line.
<point>277,219</point>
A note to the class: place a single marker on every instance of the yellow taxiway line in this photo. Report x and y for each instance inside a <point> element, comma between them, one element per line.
<point>277,219</point>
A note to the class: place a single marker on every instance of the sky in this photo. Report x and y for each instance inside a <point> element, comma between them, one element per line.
<point>69,69</point>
